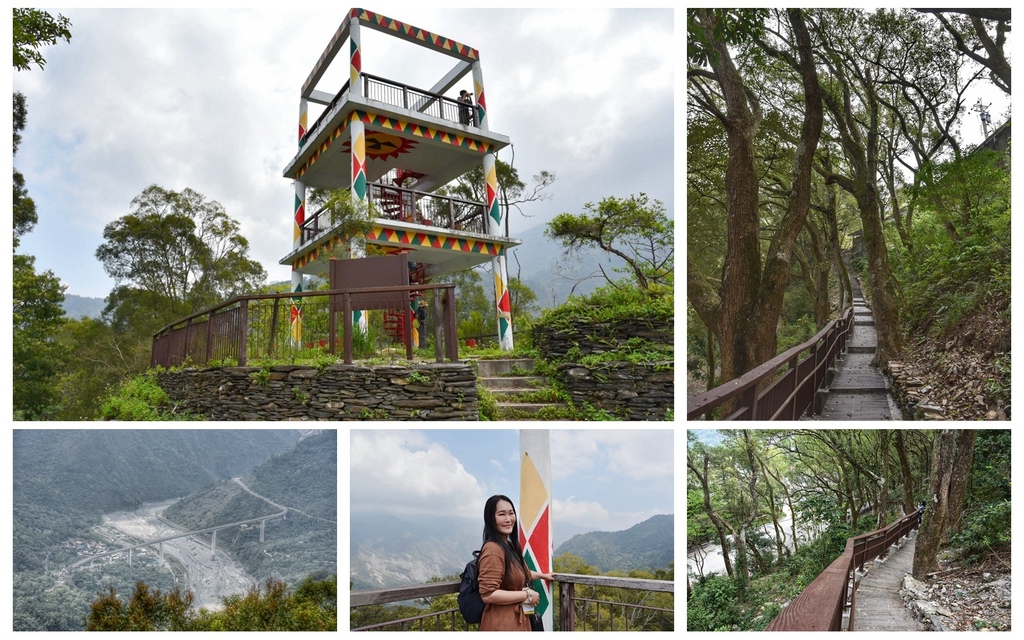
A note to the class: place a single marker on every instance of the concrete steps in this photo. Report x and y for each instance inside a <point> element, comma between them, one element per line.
<point>509,379</point>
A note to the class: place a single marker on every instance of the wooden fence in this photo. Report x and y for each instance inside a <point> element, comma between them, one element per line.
<point>821,605</point>
<point>786,395</point>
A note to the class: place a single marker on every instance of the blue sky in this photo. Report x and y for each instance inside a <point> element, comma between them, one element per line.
<point>209,99</point>
<point>607,479</point>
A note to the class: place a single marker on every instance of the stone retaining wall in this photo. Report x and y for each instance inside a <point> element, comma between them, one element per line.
<point>432,391</point>
<point>624,389</point>
<point>631,391</point>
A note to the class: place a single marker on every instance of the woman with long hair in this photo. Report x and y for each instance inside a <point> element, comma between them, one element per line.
<point>504,578</point>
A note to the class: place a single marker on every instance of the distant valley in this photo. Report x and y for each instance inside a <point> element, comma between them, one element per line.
<point>387,551</point>
<point>65,479</point>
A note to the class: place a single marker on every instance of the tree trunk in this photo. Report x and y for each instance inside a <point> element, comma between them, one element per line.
<point>933,526</point>
<point>908,480</point>
<point>961,474</point>
<point>716,519</point>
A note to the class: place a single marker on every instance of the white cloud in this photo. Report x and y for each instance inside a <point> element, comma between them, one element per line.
<point>579,513</point>
<point>637,454</point>
<point>400,472</point>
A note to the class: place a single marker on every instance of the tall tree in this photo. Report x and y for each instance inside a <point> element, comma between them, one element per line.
<point>176,250</point>
<point>972,34</point>
<point>744,310</point>
<point>952,459</point>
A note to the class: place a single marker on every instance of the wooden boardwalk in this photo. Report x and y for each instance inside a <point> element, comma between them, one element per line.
<point>859,390</point>
<point>879,605</point>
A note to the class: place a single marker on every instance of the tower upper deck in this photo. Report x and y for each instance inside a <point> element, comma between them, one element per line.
<point>425,132</point>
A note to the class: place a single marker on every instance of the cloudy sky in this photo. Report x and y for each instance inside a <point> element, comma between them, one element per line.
<point>209,99</point>
<point>608,479</point>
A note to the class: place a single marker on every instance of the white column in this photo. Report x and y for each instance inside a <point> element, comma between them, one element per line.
<point>535,512</point>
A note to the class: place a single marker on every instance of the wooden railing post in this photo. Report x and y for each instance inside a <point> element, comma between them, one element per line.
<point>244,333</point>
<point>209,337</point>
<point>346,308</point>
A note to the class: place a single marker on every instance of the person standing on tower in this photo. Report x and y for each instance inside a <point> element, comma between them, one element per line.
<point>465,107</point>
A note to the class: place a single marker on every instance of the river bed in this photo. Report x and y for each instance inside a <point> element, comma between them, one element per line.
<point>209,576</point>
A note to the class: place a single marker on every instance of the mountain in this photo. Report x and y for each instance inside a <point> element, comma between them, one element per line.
<point>542,267</point>
<point>82,307</point>
<point>99,470</point>
<point>388,551</point>
<point>305,480</point>
<point>648,545</point>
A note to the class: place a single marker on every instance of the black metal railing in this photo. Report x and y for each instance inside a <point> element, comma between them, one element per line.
<point>576,611</point>
<point>257,327</point>
<point>397,94</point>
<point>408,205</point>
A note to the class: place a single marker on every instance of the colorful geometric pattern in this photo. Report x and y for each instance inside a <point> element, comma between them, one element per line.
<point>300,217</point>
<point>394,124</point>
<point>295,322</point>
<point>328,53</point>
<point>303,121</point>
<point>355,63</point>
<point>492,204</point>
<point>434,40</point>
<point>359,163</point>
<point>409,238</point>
<point>535,508</point>
<point>481,105</point>
<point>504,308</point>
<point>381,146</point>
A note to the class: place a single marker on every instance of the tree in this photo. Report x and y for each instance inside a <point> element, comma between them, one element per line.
<point>743,310</point>
<point>512,191</point>
<point>24,209</point>
<point>38,356</point>
<point>32,29</point>
<point>178,253</point>
<point>971,34</point>
<point>635,229</point>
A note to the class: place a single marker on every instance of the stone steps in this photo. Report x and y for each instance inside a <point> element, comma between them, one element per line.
<point>506,387</point>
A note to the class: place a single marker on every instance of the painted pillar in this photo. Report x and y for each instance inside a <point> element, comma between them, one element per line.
<point>535,512</point>
<point>495,225</point>
<point>480,98</point>
<point>357,246</point>
<point>498,265</point>
<point>355,60</point>
<point>303,119</point>
<point>295,321</point>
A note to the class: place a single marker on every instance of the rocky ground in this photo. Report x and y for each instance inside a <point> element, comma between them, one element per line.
<point>965,598</point>
<point>962,377</point>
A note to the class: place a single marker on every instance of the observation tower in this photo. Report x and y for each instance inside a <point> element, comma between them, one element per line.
<point>393,145</point>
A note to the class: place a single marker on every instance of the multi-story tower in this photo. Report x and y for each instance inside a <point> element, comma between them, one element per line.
<point>394,145</point>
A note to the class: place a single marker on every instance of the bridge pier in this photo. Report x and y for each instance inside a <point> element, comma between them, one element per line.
<point>213,546</point>
<point>129,557</point>
<point>263,524</point>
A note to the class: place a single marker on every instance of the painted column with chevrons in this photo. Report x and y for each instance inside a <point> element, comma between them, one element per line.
<point>535,512</point>
<point>295,321</point>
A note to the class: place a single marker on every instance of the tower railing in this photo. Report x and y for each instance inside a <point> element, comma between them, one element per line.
<point>432,104</point>
<point>408,205</point>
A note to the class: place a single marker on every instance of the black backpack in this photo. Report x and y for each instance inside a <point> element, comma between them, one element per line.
<point>471,605</point>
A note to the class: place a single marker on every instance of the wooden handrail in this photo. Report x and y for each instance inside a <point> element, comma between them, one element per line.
<point>820,606</point>
<point>787,397</point>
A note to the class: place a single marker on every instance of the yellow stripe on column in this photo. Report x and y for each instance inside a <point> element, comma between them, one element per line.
<point>533,494</point>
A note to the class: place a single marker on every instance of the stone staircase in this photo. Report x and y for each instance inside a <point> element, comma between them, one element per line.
<point>512,377</point>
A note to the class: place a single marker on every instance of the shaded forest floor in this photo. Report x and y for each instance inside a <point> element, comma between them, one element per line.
<point>962,376</point>
<point>973,598</point>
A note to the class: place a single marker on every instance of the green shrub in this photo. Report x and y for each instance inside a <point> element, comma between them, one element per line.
<point>139,399</point>
<point>986,529</point>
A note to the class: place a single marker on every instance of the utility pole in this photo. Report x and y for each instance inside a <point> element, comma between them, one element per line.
<point>986,119</point>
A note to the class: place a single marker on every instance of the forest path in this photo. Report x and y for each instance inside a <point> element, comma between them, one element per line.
<point>879,605</point>
<point>859,390</point>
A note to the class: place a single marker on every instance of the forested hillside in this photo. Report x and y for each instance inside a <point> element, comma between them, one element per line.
<point>303,479</point>
<point>65,479</point>
<point>831,145</point>
<point>648,545</point>
<point>769,509</point>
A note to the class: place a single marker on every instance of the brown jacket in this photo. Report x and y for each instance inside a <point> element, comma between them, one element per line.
<point>492,576</point>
